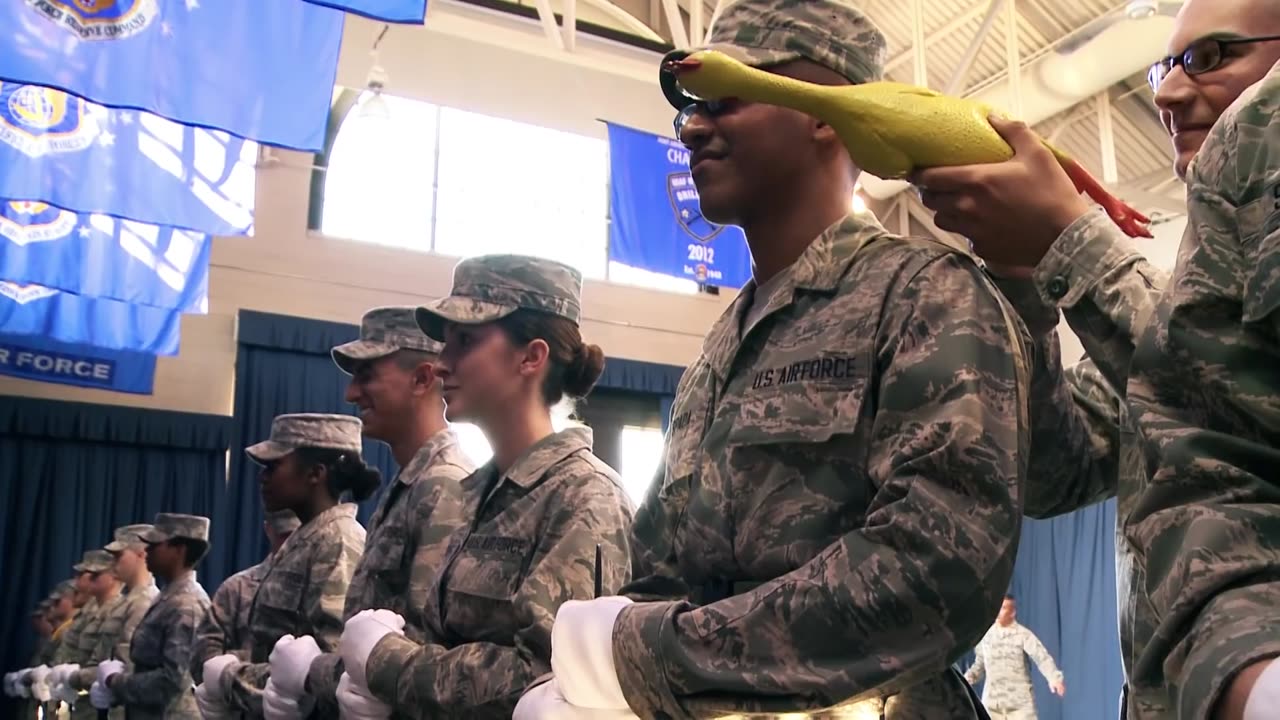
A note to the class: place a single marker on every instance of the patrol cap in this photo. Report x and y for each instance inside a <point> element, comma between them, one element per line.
<point>94,561</point>
<point>168,526</point>
<point>66,587</point>
<point>283,521</point>
<point>383,331</point>
<point>314,430</point>
<point>491,287</point>
<point>761,33</point>
<point>127,537</point>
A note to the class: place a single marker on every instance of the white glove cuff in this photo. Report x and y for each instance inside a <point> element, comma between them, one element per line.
<point>1264,698</point>
<point>582,653</point>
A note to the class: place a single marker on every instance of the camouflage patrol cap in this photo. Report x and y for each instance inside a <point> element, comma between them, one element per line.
<point>383,331</point>
<point>313,430</point>
<point>66,587</point>
<point>760,33</point>
<point>94,561</point>
<point>168,526</point>
<point>283,521</point>
<point>491,287</point>
<point>127,537</point>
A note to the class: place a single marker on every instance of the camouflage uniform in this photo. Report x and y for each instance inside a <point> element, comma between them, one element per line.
<point>226,629</point>
<point>999,658</point>
<point>1198,498</point>
<point>305,584</point>
<point>407,533</point>
<point>135,601</point>
<point>839,503</point>
<point>529,540</point>
<point>159,685</point>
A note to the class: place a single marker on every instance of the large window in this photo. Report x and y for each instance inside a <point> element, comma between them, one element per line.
<point>640,455</point>
<point>423,177</point>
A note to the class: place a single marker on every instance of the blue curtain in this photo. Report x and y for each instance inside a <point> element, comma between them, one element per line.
<point>70,473</point>
<point>1064,582</point>
<point>638,376</point>
<point>282,366</point>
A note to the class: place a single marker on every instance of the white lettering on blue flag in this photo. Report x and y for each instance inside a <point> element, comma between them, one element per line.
<point>49,361</point>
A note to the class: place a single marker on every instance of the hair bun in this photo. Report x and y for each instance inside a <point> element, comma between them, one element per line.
<point>582,373</point>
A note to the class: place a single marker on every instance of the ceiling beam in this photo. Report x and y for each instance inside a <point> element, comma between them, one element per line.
<point>961,74</point>
<point>950,27</point>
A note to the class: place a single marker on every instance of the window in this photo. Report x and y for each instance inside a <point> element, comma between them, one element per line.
<point>378,188</point>
<point>506,186</point>
<point>640,455</point>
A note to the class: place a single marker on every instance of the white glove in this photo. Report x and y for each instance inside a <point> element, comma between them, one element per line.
<point>9,688</point>
<point>107,668</point>
<point>40,683</point>
<point>212,707</point>
<point>582,652</point>
<point>357,703</point>
<point>215,675</point>
<point>62,673</point>
<point>291,660</point>
<point>546,702</point>
<point>361,635</point>
<point>279,706</point>
<point>20,683</point>
<point>99,695</point>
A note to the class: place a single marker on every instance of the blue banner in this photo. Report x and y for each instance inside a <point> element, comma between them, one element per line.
<point>262,70</point>
<point>44,360</point>
<point>396,11</point>
<point>100,256</point>
<point>41,312</point>
<point>70,153</point>
<point>655,221</point>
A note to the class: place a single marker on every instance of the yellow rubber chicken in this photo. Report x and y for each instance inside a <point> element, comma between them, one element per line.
<point>890,129</point>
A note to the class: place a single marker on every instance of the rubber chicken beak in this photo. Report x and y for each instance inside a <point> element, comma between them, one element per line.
<point>679,67</point>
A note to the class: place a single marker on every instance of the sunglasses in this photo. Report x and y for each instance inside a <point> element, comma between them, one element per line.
<point>710,108</point>
<point>1200,57</point>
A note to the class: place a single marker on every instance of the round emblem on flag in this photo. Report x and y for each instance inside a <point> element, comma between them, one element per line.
<point>98,19</point>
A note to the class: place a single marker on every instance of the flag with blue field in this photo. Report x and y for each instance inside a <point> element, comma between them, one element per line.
<point>396,11</point>
<point>35,310</point>
<point>261,70</point>
<point>73,154</point>
<point>102,256</point>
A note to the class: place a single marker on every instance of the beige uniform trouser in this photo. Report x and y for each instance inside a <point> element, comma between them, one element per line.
<point>1019,714</point>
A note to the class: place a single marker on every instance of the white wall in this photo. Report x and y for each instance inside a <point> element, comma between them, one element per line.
<point>508,72</point>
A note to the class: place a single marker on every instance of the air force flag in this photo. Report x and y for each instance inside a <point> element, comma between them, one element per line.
<point>259,69</point>
<point>59,149</point>
<point>65,317</point>
<point>396,11</point>
<point>101,256</point>
<point>656,221</point>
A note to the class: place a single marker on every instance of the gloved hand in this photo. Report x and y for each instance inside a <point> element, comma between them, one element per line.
<point>40,683</point>
<point>9,689</point>
<point>62,673</point>
<point>356,702</point>
<point>107,668</point>
<point>290,662</point>
<point>20,683</point>
<point>215,676</point>
<point>277,705</point>
<point>212,706</point>
<point>100,695</point>
<point>582,652</point>
<point>361,635</point>
<point>546,702</point>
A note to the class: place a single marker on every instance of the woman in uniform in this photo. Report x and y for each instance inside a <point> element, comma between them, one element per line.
<point>547,519</point>
<point>308,464</point>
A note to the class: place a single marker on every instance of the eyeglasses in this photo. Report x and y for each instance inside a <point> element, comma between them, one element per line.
<point>1200,57</point>
<point>711,108</point>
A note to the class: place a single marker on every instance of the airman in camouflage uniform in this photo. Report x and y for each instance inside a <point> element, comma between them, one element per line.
<point>1001,659</point>
<point>159,684</point>
<point>838,508</point>
<point>96,640</point>
<point>140,590</point>
<point>305,584</point>
<point>529,541</point>
<point>226,629</point>
<point>405,545</point>
<point>1193,355</point>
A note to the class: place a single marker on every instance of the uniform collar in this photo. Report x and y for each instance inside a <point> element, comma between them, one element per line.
<point>426,455</point>
<point>550,450</point>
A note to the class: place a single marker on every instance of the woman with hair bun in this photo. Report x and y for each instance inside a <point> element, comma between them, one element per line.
<point>310,464</point>
<point>537,512</point>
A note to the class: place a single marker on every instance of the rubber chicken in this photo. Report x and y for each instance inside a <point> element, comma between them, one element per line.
<point>890,129</point>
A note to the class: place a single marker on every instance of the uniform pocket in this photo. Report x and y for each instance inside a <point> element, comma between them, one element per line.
<point>481,587</point>
<point>277,610</point>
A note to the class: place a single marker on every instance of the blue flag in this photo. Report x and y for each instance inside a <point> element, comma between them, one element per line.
<point>73,154</point>
<point>100,256</point>
<point>655,221</point>
<point>396,11</point>
<point>43,312</point>
<point>45,360</point>
<point>262,70</point>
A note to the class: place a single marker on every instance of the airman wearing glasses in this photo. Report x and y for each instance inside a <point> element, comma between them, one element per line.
<point>1195,470</point>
